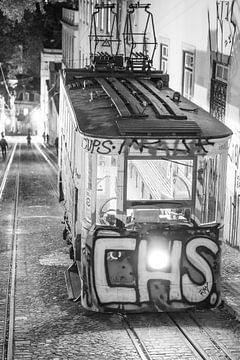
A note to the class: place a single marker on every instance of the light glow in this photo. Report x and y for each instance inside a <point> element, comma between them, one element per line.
<point>158,259</point>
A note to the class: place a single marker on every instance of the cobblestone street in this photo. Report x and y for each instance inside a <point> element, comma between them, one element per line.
<point>48,325</point>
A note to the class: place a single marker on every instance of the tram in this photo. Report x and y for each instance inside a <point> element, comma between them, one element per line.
<point>142,174</point>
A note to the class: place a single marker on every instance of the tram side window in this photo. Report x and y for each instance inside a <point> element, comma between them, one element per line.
<point>106,186</point>
<point>159,179</point>
<point>88,185</point>
<point>209,189</point>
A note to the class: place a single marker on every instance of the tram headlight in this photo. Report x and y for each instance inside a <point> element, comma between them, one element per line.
<point>158,259</point>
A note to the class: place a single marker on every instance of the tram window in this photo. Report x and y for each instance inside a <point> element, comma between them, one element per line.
<point>160,179</point>
<point>107,172</point>
<point>181,215</point>
<point>136,173</point>
<point>120,266</point>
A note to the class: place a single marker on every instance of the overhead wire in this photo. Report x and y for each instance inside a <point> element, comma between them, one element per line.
<point>4,80</point>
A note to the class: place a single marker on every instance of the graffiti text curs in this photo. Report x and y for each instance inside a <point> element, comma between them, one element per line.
<point>98,146</point>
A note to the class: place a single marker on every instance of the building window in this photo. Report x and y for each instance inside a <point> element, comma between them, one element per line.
<point>109,18</point>
<point>102,19</point>
<point>163,58</point>
<point>91,9</point>
<point>25,96</point>
<point>87,12</point>
<point>188,73</point>
<point>97,16</point>
<point>221,72</point>
<point>136,178</point>
<point>84,11</point>
<point>218,93</point>
<point>80,9</point>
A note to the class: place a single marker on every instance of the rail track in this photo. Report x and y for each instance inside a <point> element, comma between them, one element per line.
<point>49,162</point>
<point>8,324</point>
<point>7,306</point>
<point>201,342</point>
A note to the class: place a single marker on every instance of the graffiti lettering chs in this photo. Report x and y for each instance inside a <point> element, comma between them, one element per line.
<point>183,286</point>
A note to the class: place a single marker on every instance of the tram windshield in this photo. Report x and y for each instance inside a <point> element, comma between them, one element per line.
<point>146,179</point>
<point>159,179</point>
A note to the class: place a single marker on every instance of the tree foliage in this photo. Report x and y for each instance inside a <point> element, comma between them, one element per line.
<point>21,42</point>
<point>14,9</point>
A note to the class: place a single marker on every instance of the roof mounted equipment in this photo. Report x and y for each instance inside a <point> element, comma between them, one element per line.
<point>139,46</point>
<point>104,38</point>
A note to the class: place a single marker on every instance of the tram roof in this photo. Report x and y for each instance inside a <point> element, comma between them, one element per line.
<point>126,104</point>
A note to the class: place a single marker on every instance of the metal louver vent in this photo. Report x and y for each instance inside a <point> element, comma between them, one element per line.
<point>159,127</point>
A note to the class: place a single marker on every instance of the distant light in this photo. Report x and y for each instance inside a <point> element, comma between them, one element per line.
<point>36,115</point>
<point>25,111</point>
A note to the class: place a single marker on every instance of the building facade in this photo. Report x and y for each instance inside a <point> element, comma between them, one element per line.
<point>70,36</point>
<point>51,62</point>
<point>27,104</point>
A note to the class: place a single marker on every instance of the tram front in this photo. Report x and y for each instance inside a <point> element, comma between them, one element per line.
<point>154,244</point>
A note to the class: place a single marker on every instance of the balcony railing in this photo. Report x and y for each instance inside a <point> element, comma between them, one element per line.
<point>70,16</point>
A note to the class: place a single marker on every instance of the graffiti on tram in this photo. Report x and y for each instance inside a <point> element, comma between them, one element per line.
<point>121,274</point>
<point>167,148</point>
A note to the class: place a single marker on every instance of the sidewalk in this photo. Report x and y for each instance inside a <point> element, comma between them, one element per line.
<point>231,279</point>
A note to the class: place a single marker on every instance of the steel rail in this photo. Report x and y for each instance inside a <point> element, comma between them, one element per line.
<point>215,342</point>
<point>47,158</point>
<point>195,344</point>
<point>9,320</point>
<point>137,342</point>
<point>2,186</point>
<point>192,344</point>
<point>53,166</point>
<point>143,352</point>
